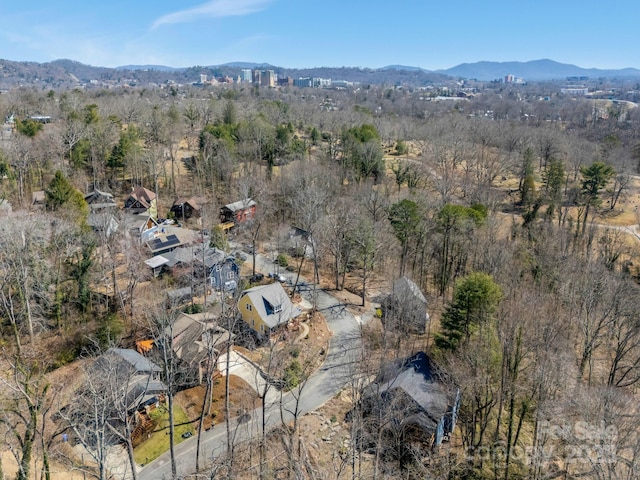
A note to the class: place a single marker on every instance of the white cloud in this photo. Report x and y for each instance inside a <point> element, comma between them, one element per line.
<point>213,9</point>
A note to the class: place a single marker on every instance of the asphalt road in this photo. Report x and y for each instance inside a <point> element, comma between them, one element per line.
<point>335,373</point>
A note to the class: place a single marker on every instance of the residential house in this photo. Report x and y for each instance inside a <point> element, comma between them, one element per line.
<point>179,296</point>
<point>156,264</point>
<point>299,241</point>
<point>142,200</point>
<point>103,222</point>
<point>405,309</point>
<point>196,340</point>
<point>137,376</point>
<point>138,223</point>
<point>98,200</point>
<point>415,400</point>
<point>221,269</point>
<point>265,308</point>
<point>185,208</point>
<point>161,240</point>
<point>102,207</point>
<point>238,212</point>
<point>224,275</point>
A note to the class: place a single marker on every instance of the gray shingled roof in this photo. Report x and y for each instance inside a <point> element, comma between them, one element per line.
<point>416,378</point>
<point>133,358</point>
<point>272,304</point>
<point>403,287</point>
<point>240,204</point>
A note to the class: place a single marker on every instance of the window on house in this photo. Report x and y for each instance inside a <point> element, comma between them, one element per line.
<point>249,306</point>
<point>277,308</point>
<point>262,328</point>
<point>229,275</point>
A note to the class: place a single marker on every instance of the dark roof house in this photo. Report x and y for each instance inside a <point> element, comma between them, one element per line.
<point>415,398</point>
<point>185,208</point>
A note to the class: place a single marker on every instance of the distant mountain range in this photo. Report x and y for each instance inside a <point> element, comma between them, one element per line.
<point>533,70</point>
<point>66,73</point>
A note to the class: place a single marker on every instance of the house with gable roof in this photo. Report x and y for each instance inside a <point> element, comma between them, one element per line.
<point>194,339</point>
<point>265,308</point>
<point>142,200</point>
<point>414,399</point>
<point>405,309</point>
<point>238,212</point>
<point>137,376</point>
<point>185,208</point>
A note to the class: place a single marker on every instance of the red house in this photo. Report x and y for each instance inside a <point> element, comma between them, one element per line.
<point>238,212</point>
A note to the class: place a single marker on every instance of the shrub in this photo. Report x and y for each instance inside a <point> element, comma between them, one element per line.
<point>292,375</point>
<point>282,260</point>
<point>193,308</point>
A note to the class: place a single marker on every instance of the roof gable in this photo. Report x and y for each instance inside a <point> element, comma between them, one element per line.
<point>240,205</point>
<point>272,304</point>
<point>403,288</point>
<point>134,359</point>
<point>418,380</point>
<point>187,201</point>
<point>143,196</point>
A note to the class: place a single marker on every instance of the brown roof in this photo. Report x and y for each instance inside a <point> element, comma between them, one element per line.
<point>142,195</point>
<point>191,201</point>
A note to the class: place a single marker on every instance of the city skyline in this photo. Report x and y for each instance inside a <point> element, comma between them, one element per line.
<point>289,34</point>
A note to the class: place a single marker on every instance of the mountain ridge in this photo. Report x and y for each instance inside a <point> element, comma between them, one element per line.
<point>485,70</point>
<point>70,73</point>
<point>542,69</point>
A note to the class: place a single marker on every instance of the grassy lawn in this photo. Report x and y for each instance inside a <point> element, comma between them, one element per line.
<point>158,443</point>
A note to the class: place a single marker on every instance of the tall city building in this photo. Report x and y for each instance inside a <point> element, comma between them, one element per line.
<point>268,78</point>
<point>246,75</point>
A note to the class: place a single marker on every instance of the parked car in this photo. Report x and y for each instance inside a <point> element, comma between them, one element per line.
<point>258,277</point>
<point>187,434</point>
<point>278,276</point>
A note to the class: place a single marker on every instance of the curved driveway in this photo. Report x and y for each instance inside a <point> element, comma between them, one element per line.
<point>336,372</point>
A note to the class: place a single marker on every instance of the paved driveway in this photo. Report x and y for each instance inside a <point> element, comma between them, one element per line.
<point>243,368</point>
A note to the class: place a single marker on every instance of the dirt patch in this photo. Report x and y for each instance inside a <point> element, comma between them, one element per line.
<point>57,471</point>
<point>241,397</point>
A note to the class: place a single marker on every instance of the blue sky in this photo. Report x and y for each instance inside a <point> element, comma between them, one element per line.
<point>288,33</point>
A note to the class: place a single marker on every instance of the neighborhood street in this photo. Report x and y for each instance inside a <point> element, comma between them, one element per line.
<point>335,373</point>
